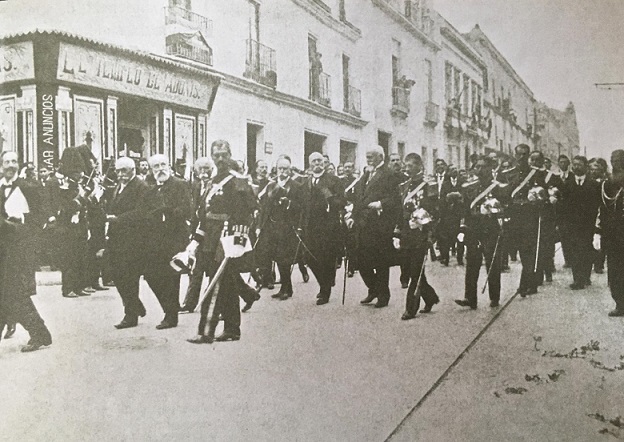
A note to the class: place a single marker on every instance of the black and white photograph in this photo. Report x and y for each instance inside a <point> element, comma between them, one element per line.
<point>311,220</point>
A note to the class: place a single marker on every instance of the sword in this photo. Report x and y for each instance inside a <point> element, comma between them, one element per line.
<point>539,234</point>
<point>208,303</point>
<point>344,278</point>
<point>304,245</point>
<point>492,263</point>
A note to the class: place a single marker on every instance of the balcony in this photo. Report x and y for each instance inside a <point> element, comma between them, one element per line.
<point>260,64</point>
<point>175,15</point>
<point>190,52</point>
<point>353,101</point>
<point>432,113</point>
<point>416,16</point>
<point>320,87</point>
<point>400,101</point>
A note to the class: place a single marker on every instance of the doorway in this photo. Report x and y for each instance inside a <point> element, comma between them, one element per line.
<point>312,143</point>
<point>383,139</point>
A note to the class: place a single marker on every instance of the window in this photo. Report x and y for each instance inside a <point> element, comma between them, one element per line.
<point>448,83</point>
<point>456,84</point>
<point>396,61</point>
<point>466,95</point>
<point>401,150</point>
<point>429,76</point>
<point>345,81</point>
<point>184,4</point>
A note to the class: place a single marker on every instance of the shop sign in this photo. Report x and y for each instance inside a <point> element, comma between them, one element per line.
<point>17,62</point>
<point>47,127</point>
<point>99,69</point>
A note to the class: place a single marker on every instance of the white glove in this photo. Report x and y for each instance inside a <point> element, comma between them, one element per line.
<point>349,222</point>
<point>396,242</point>
<point>75,219</point>
<point>596,241</point>
<point>460,237</point>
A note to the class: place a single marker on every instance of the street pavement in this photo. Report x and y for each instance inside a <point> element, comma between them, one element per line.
<point>336,372</point>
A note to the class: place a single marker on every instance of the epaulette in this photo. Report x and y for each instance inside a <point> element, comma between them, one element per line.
<point>238,175</point>
<point>502,185</point>
<point>470,183</point>
<point>508,170</point>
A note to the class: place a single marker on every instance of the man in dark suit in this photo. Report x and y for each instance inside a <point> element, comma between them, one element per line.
<point>565,175</point>
<point>450,214</point>
<point>126,239</point>
<point>168,210</point>
<point>581,199</point>
<point>281,218</point>
<point>375,213</point>
<point>348,182</point>
<point>322,238</point>
<point>21,222</point>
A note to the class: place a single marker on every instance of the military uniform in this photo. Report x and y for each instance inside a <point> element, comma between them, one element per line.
<point>612,231</point>
<point>230,199</point>
<point>414,244</point>
<point>525,223</point>
<point>483,234</point>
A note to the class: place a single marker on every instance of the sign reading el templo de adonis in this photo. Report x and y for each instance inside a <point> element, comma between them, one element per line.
<point>99,69</point>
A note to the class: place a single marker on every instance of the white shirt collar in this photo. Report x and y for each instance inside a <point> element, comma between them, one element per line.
<point>317,176</point>
<point>580,178</point>
<point>4,182</point>
<point>282,183</point>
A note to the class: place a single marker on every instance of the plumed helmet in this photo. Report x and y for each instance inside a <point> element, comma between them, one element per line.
<point>72,162</point>
<point>537,194</point>
<point>491,206</point>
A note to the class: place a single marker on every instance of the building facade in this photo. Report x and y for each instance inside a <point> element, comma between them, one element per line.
<point>557,131</point>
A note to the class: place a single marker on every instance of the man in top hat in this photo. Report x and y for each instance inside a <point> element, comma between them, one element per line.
<point>21,222</point>
<point>179,169</point>
<point>86,152</point>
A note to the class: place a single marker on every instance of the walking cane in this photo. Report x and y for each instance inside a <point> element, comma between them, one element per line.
<point>344,278</point>
<point>491,264</point>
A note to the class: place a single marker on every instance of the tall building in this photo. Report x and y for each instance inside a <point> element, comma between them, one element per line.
<point>465,125</point>
<point>509,104</point>
<point>557,131</point>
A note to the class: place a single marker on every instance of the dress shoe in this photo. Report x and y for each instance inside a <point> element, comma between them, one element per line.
<point>599,271</point>
<point>200,339</point>
<point>285,295</point>
<point>277,295</point>
<point>521,292</point>
<point>370,298</point>
<point>165,324</point>
<point>305,275</point>
<point>577,286</point>
<point>494,304</point>
<point>350,273</point>
<point>249,304</point>
<point>531,291</point>
<point>88,290</point>
<point>99,287</point>
<point>428,307</point>
<point>322,301</point>
<point>407,316</point>
<point>185,309</point>
<point>36,344</point>
<point>460,262</point>
<point>228,336</point>
<point>84,292</point>
<point>616,313</point>
<point>109,284</point>
<point>10,331</point>
<point>506,269</point>
<point>466,303</point>
<point>444,262</point>
<point>270,285</point>
<point>404,285</point>
<point>381,303</point>
<point>127,322</point>
<point>548,278</point>
<point>70,295</point>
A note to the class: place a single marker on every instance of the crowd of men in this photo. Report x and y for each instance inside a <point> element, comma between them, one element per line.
<point>224,223</point>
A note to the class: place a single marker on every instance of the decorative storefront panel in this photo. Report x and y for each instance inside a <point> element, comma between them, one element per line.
<point>185,141</point>
<point>95,68</point>
<point>88,118</point>
<point>17,62</point>
<point>7,123</point>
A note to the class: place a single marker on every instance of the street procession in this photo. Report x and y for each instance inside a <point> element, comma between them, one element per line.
<point>311,220</point>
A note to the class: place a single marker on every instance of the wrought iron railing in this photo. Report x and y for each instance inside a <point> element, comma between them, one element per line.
<point>320,87</point>
<point>190,19</point>
<point>260,64</point>
<point>401,99</point>
<point>353,101</point>
<point>190,52</point>
<point>432,113</point>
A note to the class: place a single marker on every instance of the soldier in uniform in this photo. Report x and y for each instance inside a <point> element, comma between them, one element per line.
<point>450,214</point>
<point>376,209</point>
<point>528,196</point>
<point>281,218</point>
<point>322,243</point>
<point>21,222</point>
<point>413,235</point>
<point>348,182</point>
<point>612,229</point>
<point>228,206</point>
<point>482,229</point>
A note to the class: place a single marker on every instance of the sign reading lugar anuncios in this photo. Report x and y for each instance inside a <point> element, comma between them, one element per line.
<point>99,69</point>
